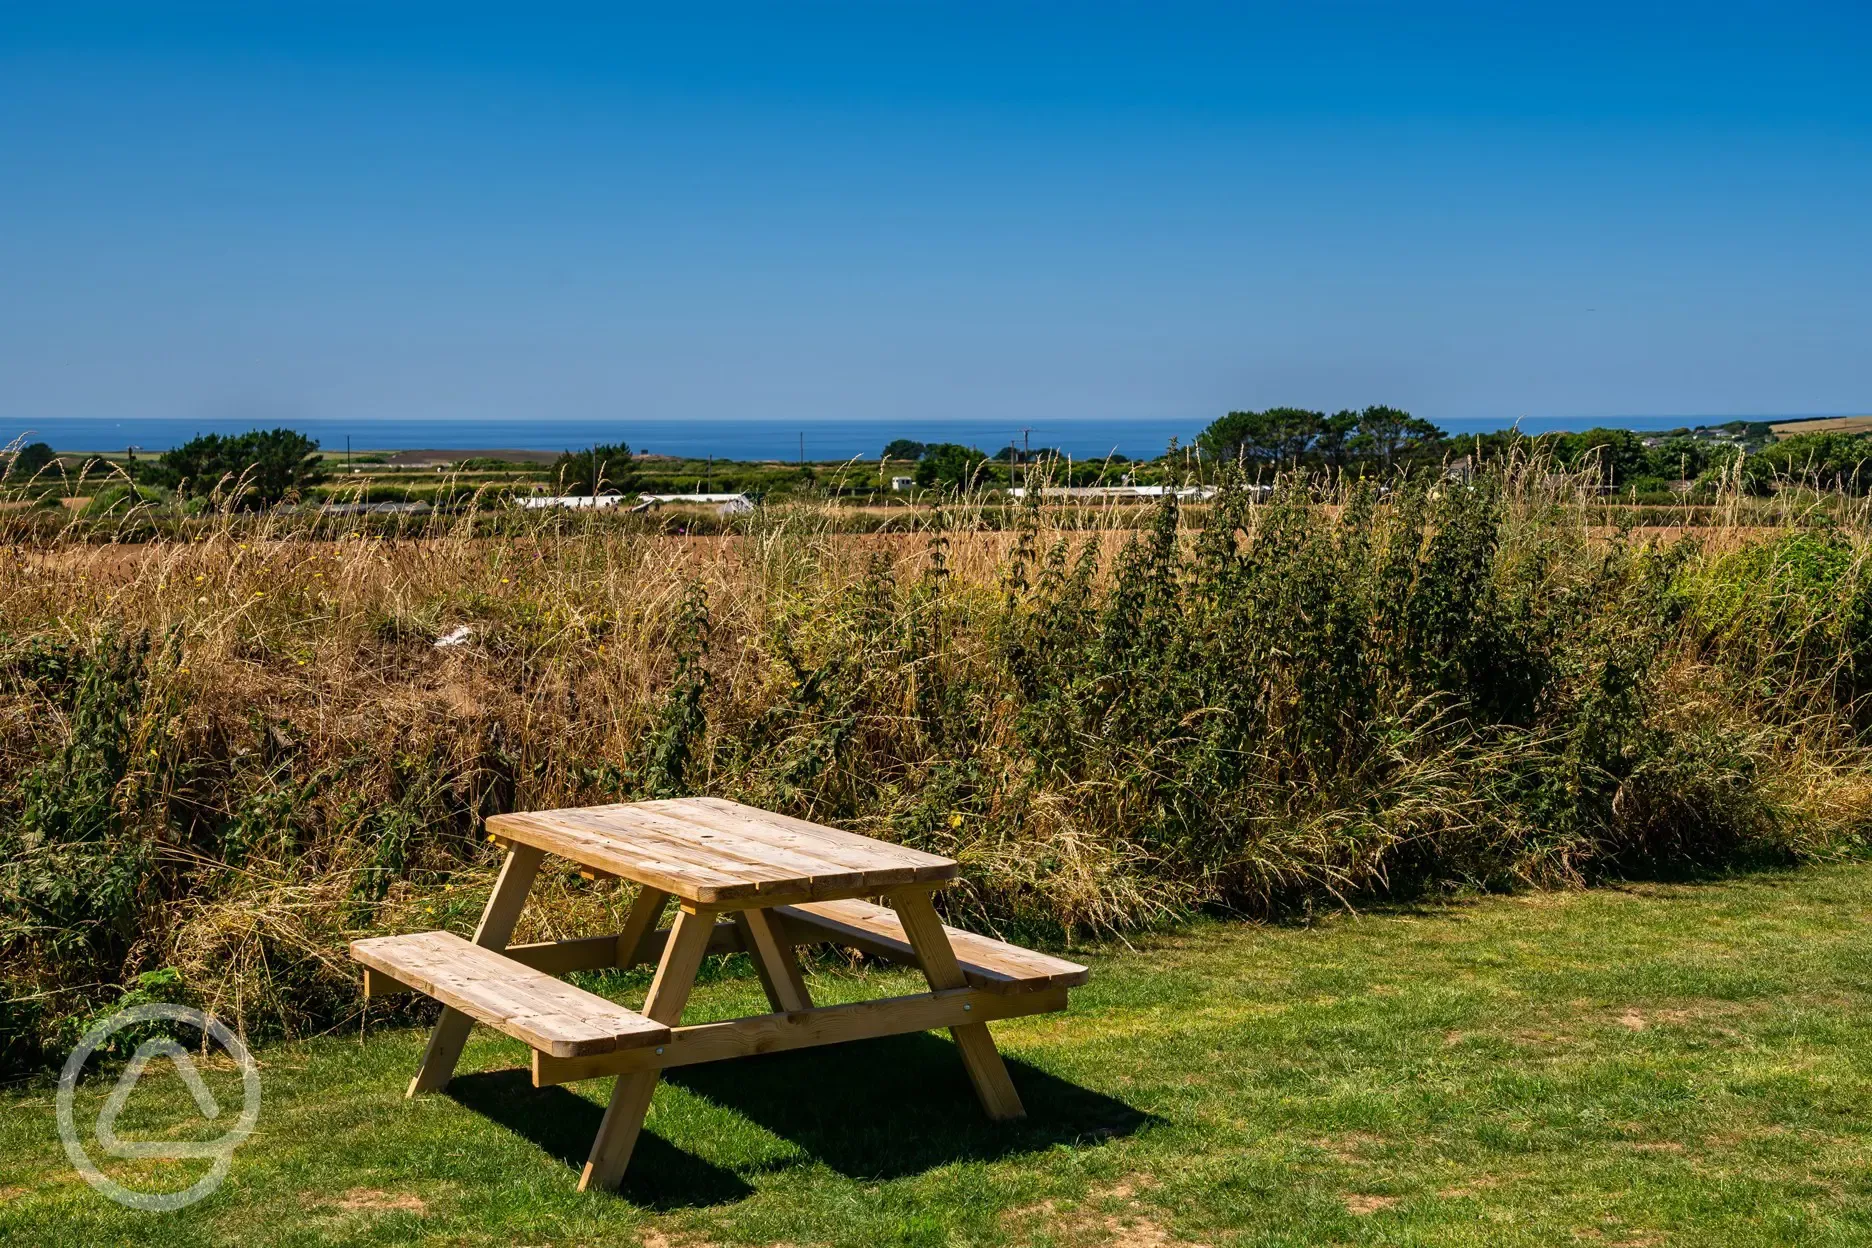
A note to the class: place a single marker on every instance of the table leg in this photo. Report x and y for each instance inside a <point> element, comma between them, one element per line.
<point>639,923</point>
<point>773,959</point>
<point>985,1068</point>
<point>497,924</point>
<point>630,1096</point>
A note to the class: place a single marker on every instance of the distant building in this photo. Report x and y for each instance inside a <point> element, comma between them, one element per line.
<point>900,484</point>
<point>600,501</point>
<point>729,504</point>
<point>375,509</point>
<point>1093,493</point>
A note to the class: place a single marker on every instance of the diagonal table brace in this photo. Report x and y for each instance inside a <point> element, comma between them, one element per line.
<point>767,944</point>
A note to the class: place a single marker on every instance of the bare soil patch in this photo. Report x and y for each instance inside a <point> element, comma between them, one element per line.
<point>376,1200</point>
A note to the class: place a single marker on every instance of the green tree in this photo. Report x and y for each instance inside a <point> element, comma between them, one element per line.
<point>904,448</point>
<point>1014,455</point>
<point>1827,461</point>
<point>1233,438</point>
<point>26,463</point>
<point>1278,437</point>
<point>1680,459</point>
<point>1614,456</point>
<point>616,472</point>
<point>1334,443</point>
<point>266,467</point>
<point>948,464</point>
<point>1388,434</point>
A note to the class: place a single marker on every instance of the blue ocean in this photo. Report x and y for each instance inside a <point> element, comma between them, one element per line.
<point>818,440</point>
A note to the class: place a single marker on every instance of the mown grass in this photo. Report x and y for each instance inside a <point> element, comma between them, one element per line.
<point>1654,1064</point>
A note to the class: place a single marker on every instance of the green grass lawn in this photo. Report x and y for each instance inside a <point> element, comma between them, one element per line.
<point>1659,1064</point>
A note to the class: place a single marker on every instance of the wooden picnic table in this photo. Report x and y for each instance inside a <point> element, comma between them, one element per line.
<point>743,880</point>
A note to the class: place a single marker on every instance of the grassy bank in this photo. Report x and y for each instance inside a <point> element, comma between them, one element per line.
<point>221,757</point>
<point>1650,1065</point>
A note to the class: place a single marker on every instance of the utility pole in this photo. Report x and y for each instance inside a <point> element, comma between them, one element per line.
<point>594,476</point>
<point>1026,450</point>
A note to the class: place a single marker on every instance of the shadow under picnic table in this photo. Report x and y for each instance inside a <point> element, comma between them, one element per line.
<point>562,1123</point>
<point>881,1109</point>
<point>869,1109</point>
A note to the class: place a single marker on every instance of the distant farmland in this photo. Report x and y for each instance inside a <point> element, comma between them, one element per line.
<point>1826,424</point>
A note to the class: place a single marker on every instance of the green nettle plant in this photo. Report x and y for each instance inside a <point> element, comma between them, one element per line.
<point>1255,703</point>
<point>681,728</point>
<point>74,870</point>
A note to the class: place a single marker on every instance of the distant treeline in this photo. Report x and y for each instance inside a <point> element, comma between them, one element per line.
<point>264,468</point>
<point>1384,439</point>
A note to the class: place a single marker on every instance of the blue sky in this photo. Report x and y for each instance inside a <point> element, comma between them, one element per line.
<point>904,211</point>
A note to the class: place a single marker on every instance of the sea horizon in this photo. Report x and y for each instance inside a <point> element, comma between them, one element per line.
<point>816,441</point>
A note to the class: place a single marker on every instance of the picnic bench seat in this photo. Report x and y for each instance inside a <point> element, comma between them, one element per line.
<point>990,965</point>
<point>547,1013</point>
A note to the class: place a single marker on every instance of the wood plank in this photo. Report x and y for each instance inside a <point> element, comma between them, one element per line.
<point>686,879</point>
<point>494,989</point>
<point>826,1024</point>
<point>720,853</point>
<point>993,1086</point>
<point>546,1013</point>
<point>630,1097</point>
<point>774,962</point>
<point>629,835</point>
<point>835,841</point>
<point>561,957</point>
<point>872,853</point>
<point>675,977</point>
<point>377,984</point>
<point>987,963</point>
<point>649,832</point>
<point>498,917</point>
<point>723,847</point>
<point>509,897</point>
<point>845,866</point>
<point>645,912</point>
<point>597,953</point>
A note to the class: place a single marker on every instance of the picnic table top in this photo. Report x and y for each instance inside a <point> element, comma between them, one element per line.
<point>709,850</point>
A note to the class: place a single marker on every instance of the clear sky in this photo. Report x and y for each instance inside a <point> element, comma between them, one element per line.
<point>893,210</point>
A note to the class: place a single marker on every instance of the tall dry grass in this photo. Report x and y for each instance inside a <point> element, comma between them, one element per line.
<point>228,750</point>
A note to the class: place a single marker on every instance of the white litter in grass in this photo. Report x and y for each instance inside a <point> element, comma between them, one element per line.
<point>456,636</point>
